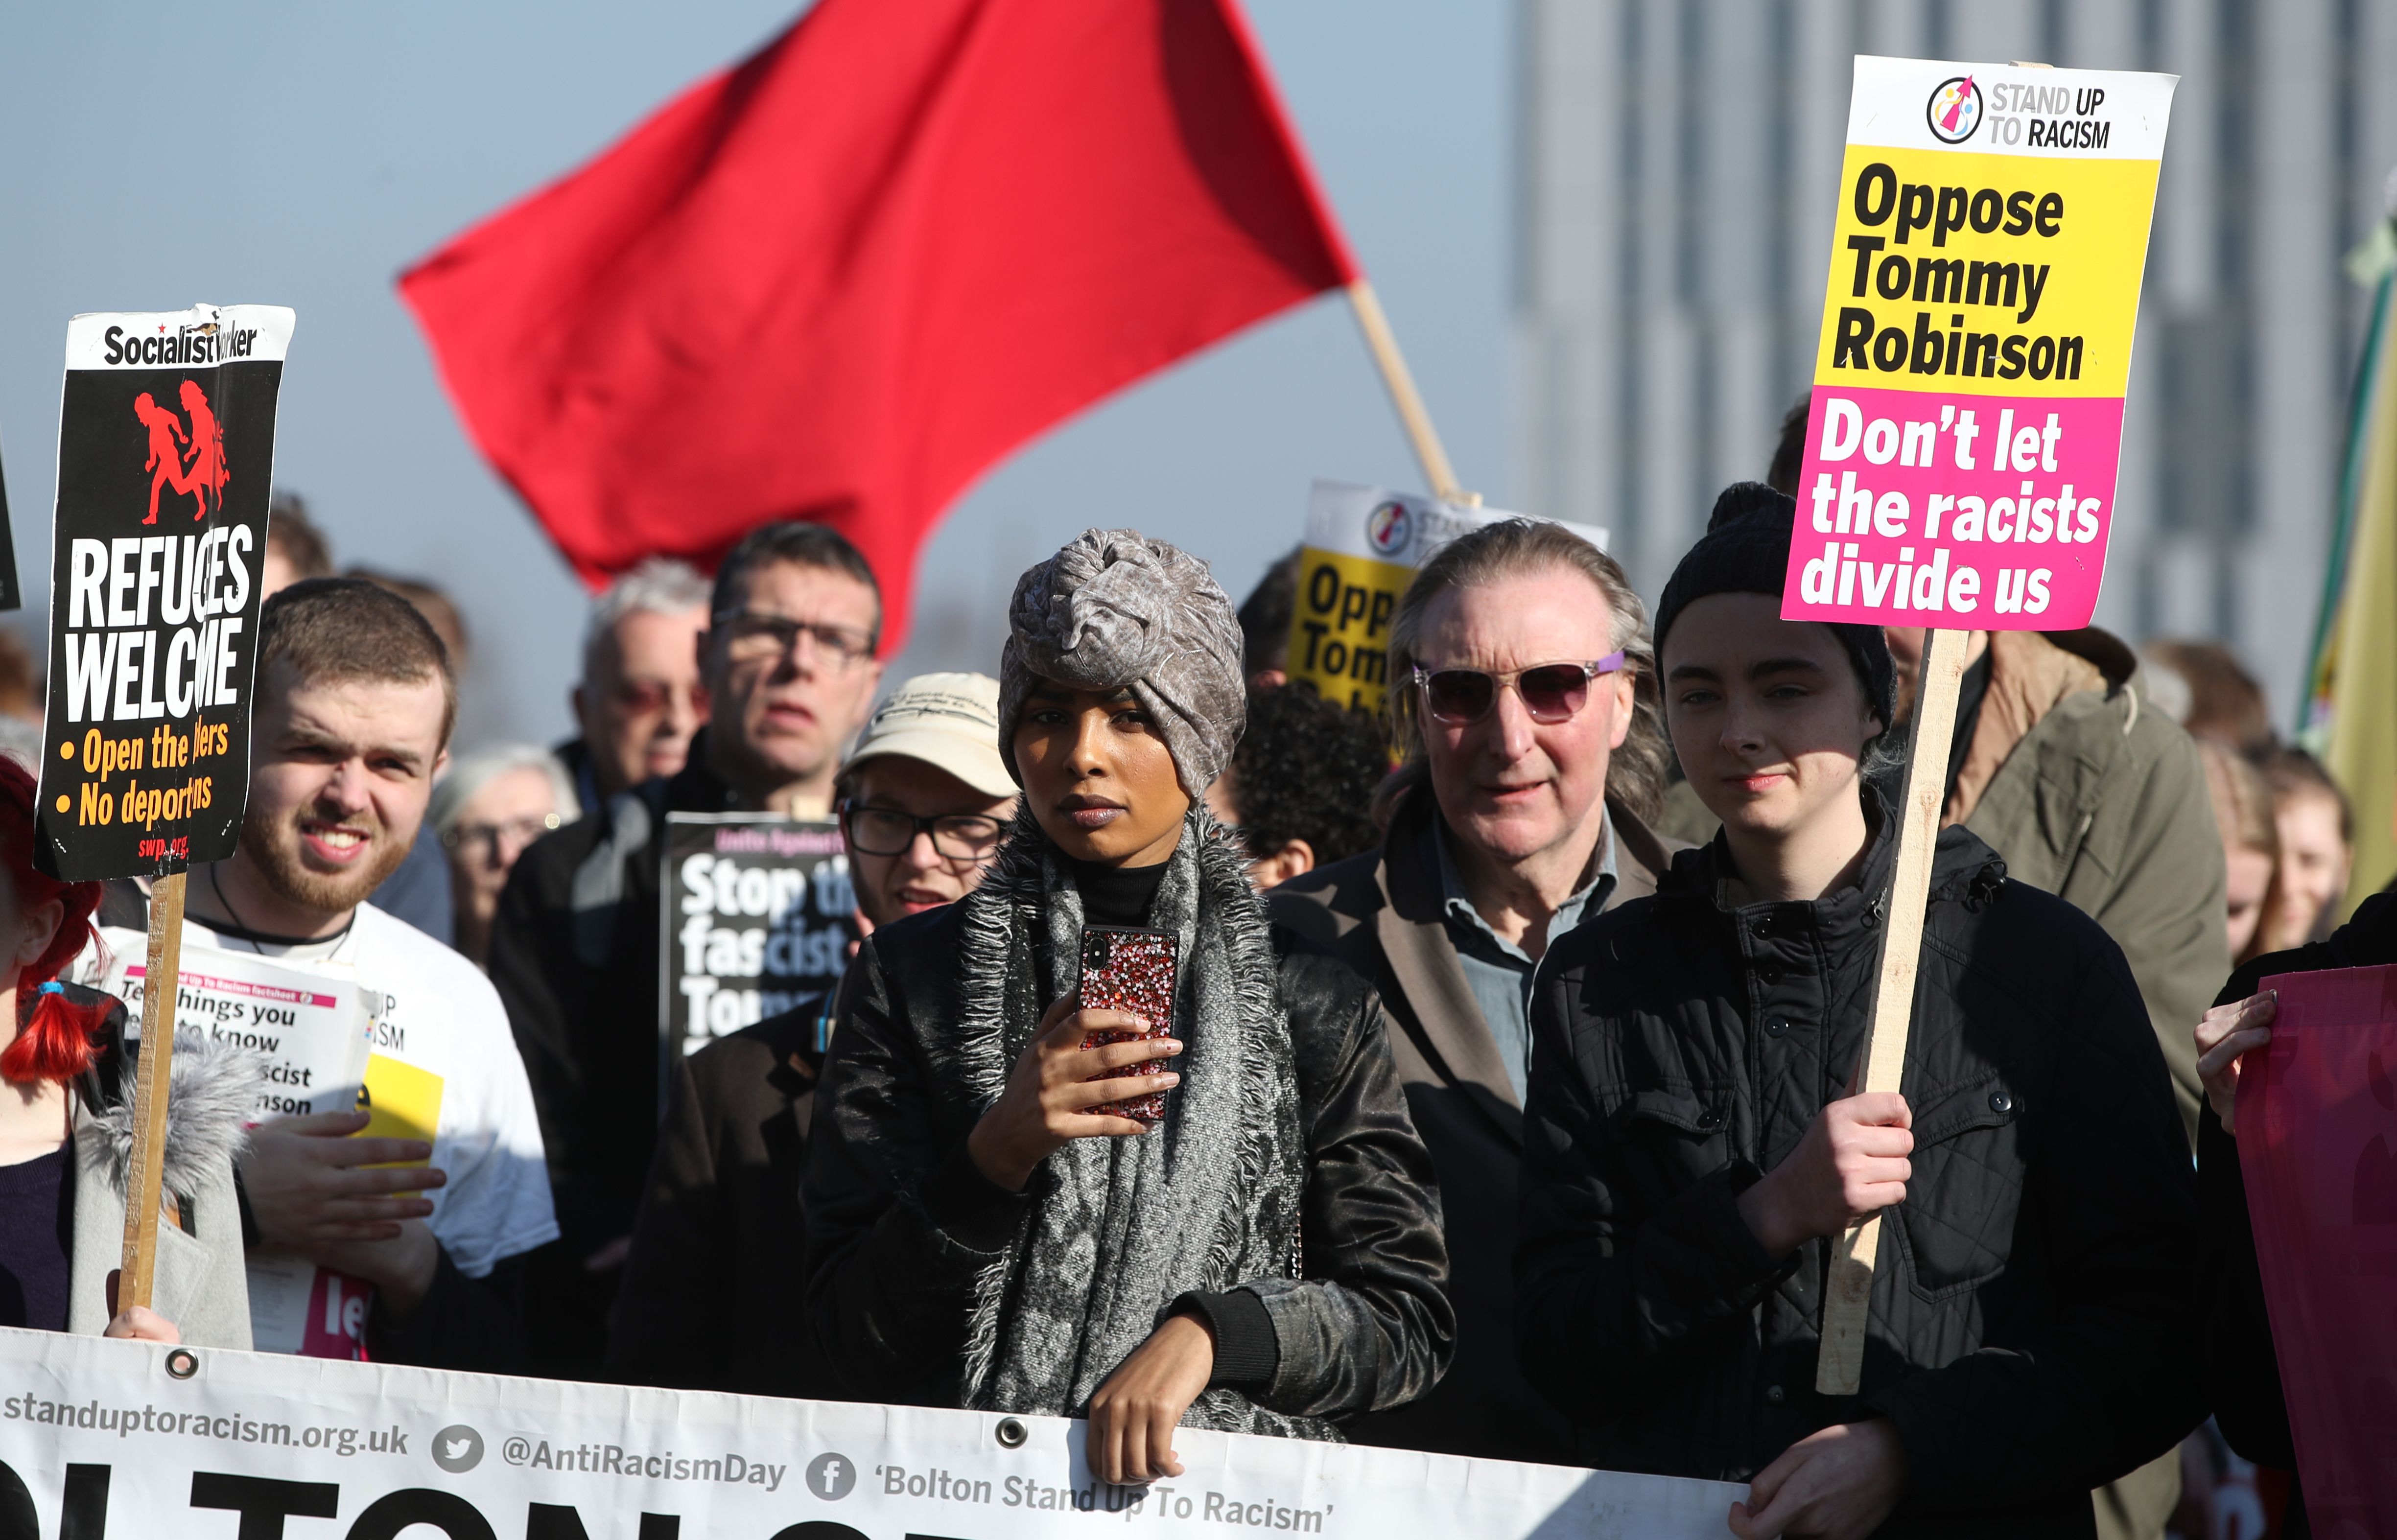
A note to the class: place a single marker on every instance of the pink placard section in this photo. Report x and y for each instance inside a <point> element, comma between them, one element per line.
<point>2317,1121</point>
<point>1977,513</point>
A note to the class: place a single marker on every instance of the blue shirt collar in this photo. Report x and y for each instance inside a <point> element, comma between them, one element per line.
<point>1459,905</point>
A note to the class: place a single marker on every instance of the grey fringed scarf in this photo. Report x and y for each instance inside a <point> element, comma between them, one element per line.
<point>1123,1227</point>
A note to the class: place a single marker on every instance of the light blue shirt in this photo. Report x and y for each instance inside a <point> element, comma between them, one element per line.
<point>1498,971</point>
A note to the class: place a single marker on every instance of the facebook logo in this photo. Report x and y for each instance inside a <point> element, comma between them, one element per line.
<point>830,1476</point>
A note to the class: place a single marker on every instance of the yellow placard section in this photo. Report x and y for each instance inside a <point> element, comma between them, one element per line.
<point>1947,265</point>
<point>1340,628</point>
<point>401,1101</point>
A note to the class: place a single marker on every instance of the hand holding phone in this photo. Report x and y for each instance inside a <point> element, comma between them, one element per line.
<point>1130,969</point>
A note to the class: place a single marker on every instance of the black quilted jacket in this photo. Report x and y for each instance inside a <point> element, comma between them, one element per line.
<point>2033,1315</point>
<point>890,1279</point>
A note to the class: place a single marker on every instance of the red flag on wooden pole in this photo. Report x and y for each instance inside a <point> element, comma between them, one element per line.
<point>842,279</point>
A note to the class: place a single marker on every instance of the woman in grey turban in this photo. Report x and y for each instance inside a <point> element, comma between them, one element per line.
<point>983,1229</point>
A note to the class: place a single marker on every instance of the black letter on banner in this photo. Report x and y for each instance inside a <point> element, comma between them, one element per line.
<point>263,1503</point>
<point>554,1521</point>
<point>83,1511</point>
<point>817,1528</point>
<point>18,1521</point>
<point>393,1512</point>
<point>560,1521</point>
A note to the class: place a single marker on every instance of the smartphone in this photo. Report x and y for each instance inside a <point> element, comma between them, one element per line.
<point>1130,969</point>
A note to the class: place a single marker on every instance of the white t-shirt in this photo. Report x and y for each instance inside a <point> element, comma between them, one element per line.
<point>444,1037</point>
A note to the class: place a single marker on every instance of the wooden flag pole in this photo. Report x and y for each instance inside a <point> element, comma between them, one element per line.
<point>1839,1368</point>
<point>145,1175</point>
<point>1384,345</point>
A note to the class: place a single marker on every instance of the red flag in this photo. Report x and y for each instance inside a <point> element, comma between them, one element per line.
<point>842,279</point>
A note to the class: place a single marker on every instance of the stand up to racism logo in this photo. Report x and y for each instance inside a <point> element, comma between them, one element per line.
<point>166,452</point>
<point>1954,110</point>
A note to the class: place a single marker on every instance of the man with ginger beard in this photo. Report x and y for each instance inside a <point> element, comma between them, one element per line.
<point>788,668</point>
<point>353,709</point>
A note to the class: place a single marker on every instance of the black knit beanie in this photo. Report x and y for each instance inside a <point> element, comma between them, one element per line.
<point>1745,550</point>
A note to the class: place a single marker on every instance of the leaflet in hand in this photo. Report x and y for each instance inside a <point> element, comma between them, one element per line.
<point>312,1028</point>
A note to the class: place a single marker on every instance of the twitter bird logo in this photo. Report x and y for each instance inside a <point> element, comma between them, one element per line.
<point>457,1449</point>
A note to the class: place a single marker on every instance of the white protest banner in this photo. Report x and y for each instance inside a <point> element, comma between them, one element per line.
<point>1362,546</point>
<point>99,1436</point>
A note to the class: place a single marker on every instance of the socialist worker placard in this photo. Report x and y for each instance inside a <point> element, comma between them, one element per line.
<point>166,458</point>
<point>1966,420</point>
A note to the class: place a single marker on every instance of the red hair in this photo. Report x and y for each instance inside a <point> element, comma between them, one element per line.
<point>57,1039</point>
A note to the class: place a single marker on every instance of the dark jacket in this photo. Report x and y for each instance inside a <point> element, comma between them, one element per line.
<point>705,1302</point>
<point>2031,1323</point>
<point>889,1278</point>
<point>2069,772</point>
<point>1383,915</point>
<point>575,958</point>
<point>2243,1367</point>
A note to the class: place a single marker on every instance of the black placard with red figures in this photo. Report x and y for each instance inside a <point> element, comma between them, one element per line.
<point>165,460</point>
<point>12,596</point>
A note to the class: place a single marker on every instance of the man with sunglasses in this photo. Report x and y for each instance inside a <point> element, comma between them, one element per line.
<point>787,665</point>
<point>639,699</point>
<point>924,799</point>
<point>1522,690</point>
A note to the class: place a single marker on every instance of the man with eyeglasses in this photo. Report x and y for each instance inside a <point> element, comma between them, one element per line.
<point>787,664</point>
<point>1522,690</point>
<point>924,799</point>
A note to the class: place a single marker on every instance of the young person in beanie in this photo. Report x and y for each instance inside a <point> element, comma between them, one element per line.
<point>1694,1140</point>
<point>1268,1258</point>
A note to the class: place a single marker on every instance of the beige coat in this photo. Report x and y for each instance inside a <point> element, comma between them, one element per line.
<point>200,1281</point>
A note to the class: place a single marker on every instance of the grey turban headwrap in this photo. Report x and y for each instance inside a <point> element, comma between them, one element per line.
<point>1113,609</point>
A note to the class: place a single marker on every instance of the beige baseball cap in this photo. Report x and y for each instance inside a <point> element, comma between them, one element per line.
<point>948,720</point>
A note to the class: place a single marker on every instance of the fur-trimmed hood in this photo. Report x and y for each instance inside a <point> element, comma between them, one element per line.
<point>213,1088</point>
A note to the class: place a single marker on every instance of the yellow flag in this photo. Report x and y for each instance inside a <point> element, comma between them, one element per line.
<point>2351,712</point>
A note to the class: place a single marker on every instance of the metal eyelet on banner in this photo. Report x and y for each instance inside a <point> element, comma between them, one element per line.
<point>1011,1434</point>
<point>182,1363</point>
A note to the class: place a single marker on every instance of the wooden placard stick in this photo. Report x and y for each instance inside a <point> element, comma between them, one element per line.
<point>144,1174</point>
<point>1383,343</point>
<point>1839,1368</point>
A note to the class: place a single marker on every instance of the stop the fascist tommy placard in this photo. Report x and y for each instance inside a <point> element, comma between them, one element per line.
<point>1967,411</point>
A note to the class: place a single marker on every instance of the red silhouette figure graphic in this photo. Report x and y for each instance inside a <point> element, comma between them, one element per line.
<point>166,454</point>
<point>207,475</point>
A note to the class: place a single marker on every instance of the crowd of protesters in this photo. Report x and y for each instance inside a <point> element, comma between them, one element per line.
<point>1511,1094</point>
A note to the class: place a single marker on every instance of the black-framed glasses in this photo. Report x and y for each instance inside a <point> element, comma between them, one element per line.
<point>752,635</point>
<point>888,831</point>
<point>1551,693</point>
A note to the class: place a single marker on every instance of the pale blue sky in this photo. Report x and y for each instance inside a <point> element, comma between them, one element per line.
<point>318,150</point>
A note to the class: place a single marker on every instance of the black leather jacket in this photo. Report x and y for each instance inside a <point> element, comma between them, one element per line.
<point>2035,1303</point>
<point>890,1279</point>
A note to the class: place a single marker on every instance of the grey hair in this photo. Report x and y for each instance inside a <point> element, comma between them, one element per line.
<point>1522,548</point>
<point>471,773</point>
<point>659,585</point>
